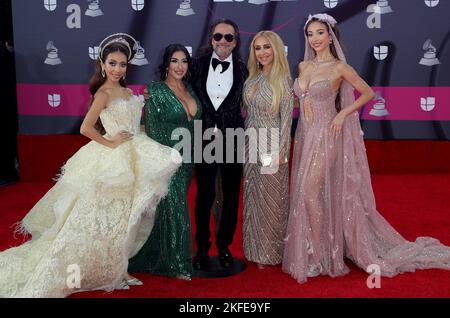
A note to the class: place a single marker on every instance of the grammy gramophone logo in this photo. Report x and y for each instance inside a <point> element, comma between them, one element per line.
<point>52,55</point>
<point>93,9</point>
<point>429,57</point>
<point>380,7</point>
<point>185,8</point>
<point>139,58</point>
<point>379,108</point>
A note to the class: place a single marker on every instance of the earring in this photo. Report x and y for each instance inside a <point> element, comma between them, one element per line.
<point>103,73</point>
<point>124,77</point>
<point>331,41</point>
<point>167,72</point>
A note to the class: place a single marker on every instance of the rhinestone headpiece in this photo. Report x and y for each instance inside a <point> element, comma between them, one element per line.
<point>117,38</point>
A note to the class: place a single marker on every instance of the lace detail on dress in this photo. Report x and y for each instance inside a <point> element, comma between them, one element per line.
<point>122,114</point>
<point>98,214</point>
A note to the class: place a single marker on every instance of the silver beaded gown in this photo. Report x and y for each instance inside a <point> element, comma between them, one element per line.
<point>266,194</point>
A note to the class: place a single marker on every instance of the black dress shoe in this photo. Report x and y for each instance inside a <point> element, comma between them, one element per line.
<point>200,261</point>
<point>225,258</point>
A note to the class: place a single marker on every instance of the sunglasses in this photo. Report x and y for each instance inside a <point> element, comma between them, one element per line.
<point>228,37</point>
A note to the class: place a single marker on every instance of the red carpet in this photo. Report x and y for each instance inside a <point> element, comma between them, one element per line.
<point>412,187</point>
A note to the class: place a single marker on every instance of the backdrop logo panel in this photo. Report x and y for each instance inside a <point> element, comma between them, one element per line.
<point>137,5</point>
<point>398,47</point>
<point>408,103</point>
<point>73,20</point>
<point>377,10</point>
<point>52,55</point>
<point>189,49</point>
<point>429,57</point>
<point>185,8</point>
<point>94,52</point>
<point>330,3</point>
<point>380,52</point>
<point>139,58</point>
<point>379,108</point>
<point>54,100</point>
<point>93,9</point>
<point>432,3</point>
<point>50,5</point>
<point>258,2</point>
<point>427,103</point>
<point>382,7</point>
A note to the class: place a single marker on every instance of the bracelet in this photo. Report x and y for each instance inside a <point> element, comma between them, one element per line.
<point>304,95</point>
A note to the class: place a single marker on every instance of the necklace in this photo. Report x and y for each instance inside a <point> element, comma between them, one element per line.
<point>317,63</point>
<point>327,60</point>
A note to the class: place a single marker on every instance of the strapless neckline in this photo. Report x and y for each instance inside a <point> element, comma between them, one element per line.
<point>121,100</point>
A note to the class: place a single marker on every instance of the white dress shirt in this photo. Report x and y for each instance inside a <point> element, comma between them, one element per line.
<point>219,85</point>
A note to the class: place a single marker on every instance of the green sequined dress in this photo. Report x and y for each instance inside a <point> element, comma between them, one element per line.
<point>168,250</point>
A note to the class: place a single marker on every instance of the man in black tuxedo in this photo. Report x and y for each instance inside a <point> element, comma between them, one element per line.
<point>218,77</point>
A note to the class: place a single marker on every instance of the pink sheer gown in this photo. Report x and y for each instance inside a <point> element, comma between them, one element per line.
<point>332,212</point>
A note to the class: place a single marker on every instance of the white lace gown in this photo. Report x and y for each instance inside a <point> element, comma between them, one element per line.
<point>98,215</point>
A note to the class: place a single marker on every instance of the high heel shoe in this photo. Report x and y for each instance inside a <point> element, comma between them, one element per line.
<point>134,282</point>
<point>314,270</point>
<point>123,285</point>
<point>183,277</point>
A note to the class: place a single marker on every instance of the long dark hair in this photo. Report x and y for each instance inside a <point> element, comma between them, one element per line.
<point>168,52</point>
<point>97,80</point>
<point>332,50</point>
<point>208,49</point>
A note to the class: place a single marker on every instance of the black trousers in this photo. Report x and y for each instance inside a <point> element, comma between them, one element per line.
<point>231,174</point>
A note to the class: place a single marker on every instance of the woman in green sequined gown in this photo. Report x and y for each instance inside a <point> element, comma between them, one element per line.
<point>172,104</point>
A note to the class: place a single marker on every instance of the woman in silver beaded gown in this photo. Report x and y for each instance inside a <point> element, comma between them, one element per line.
<point>268,100</point>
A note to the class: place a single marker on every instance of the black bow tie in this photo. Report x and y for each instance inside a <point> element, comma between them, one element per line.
<point>224,64</point>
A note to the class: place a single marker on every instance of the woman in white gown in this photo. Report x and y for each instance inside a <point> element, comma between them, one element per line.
<point>101,210</point>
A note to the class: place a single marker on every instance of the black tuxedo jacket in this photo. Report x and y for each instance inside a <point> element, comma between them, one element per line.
<point>229,113</point>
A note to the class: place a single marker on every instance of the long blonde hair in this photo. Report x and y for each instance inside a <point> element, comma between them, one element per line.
<point>280,67</point>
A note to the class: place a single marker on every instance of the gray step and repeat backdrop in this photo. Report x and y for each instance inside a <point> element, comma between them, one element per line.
<point>400,47</point>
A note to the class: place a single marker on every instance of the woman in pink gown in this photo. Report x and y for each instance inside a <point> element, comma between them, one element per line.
<point>332,213</point>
